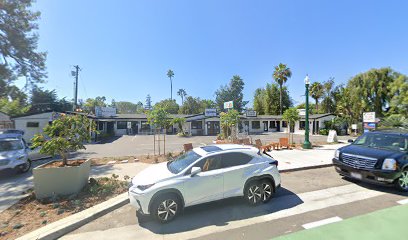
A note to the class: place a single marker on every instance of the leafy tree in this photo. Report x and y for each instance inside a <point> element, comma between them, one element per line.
<point>228,122</point>
<point>207,103</point>
<point>394,121</point>
<point>316,92</point>
<point>66,134</point>
<point>327,103</point>
<point>158,117</point>
<point>231,92</point>
<point>168,105</point>
<point>43,100</point>
<point>281,75</point>
<point>126,107</point>
<point>179,122</point>
<point>182,93</point>
<point>291,115</point>
<point>312,109</point>
<point>399,95</point>
<point>13,108</point>
<point>191,105</point>
<point>170,75</point>
<point>91,103</point>
<point>259,97</point>
<point>139,107</point>
<point>18,44</point>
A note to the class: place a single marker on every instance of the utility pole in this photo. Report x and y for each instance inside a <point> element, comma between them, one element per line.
<point>76,73</point>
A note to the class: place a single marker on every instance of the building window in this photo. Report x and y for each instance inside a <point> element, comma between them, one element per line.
<point>302,125</point>
<point>256,124</point>
<point>100,126</point>
<point>272,124</point>
<point>33,124</point>
<point>196,124</point>
<point>144,126</point>
<point>121,125</point>
<point>284,124</point>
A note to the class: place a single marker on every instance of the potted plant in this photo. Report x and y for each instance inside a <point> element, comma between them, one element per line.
<point>62,177</point>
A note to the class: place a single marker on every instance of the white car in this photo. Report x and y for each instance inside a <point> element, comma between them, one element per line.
<point>203,175</point>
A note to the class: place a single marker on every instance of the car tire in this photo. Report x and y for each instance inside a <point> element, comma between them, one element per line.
<point>24,167</point>
<point>266,190</point>
<point>165,208</point>
<point>252,193</point>
<point>402,181</point>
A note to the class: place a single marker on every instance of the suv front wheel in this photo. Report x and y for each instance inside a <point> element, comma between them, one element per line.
<point>402,181</point>
<point>166,207</point>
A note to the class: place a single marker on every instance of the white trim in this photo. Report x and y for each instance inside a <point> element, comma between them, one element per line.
<point>321,222</point>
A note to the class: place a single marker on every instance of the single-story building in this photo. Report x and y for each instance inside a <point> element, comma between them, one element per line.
<point>5,121</point>
<point>33,124</point>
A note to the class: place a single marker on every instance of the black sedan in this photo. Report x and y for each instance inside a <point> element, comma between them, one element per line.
<point>376,157</point>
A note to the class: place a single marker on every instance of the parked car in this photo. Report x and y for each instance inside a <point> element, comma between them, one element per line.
<point>376,157</point>
<point>12,131</point>
<point>202,175</point>
<point>14,153</point>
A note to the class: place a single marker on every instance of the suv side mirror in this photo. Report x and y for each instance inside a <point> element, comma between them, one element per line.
<point>195,170</point>
<point>350,140</point>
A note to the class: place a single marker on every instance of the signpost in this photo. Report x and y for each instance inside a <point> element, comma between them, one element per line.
<point>332,137</point>
<point>229,105</point>
<point>369,117</point>
<point>251,113</point>
<point>369,121</point>
<point>105,111</point>
<point>210,112</point>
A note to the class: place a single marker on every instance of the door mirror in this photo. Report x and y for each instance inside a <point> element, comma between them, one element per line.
<point>195,170</point>
<point>350,140</point>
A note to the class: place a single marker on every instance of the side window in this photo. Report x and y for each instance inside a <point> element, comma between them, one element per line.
<point>209,163</point>
<point>235,159</point>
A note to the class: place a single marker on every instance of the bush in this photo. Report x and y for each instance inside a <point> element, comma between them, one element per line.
<point>324,132</point>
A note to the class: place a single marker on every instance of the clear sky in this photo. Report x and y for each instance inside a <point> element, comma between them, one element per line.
<point>126,47</point>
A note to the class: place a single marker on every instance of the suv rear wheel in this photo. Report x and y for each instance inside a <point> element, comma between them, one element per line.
<point>253,193</point>
<point>166,207</point>
<point>402,181</point>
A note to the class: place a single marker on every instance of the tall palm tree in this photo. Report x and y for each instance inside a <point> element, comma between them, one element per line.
<point>281,75</point>
<point>170,74</point>
<point>316,92</point>
<point>328,94</point>
<point>182,93</point>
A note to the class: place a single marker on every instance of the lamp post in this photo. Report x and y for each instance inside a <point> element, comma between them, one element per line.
<point>307,144</point>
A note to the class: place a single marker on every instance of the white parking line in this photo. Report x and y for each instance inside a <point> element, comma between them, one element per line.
<point>402,202</point>
<point>321,222</point>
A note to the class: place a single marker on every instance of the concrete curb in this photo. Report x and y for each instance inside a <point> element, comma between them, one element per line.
<point>306,168</point>
<point>61,227</point>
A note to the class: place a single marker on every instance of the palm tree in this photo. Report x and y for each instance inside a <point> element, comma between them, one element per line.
<point>281,75</point>
<point>316,92</point>
<point>170,74</point>
<point>182,93</point>
<point>328,94</point>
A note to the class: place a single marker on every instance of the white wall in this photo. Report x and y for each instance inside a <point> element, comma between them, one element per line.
<point>21,123</point>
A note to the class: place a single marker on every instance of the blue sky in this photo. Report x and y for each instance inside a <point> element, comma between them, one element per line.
<point>126,47</point>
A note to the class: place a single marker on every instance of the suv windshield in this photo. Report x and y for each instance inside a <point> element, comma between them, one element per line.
<point>183,161</point>
<point>385,141</point>
<point>10,145</point>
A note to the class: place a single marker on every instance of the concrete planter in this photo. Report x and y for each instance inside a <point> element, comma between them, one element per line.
<point>61,180</point>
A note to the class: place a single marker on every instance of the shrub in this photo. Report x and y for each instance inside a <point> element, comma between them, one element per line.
<point>324,132</point>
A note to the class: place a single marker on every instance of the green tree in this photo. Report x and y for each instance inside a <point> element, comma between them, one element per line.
<point>148,105</point>
<point>259,97</point>
<point>398,90</point>
<point>311,107</point>
<point>179,122</point>
<point>231,92</point>
<point>13,108</point>
<point>91,103</point>
<point>316,92</point>
<point>168,105</point>
<point>43,100</point>
<point>281,75</point>
<point>327,102</point>
<point>18,44</point>
<point>139,107</point>
<point>192,105</point>
<point>207,103</point>
<point>228,122</point>
<point>170,75</point>
<point>66,134</point>
<point>291,115</point>
<point>182,93</point>
<point>394,121</point>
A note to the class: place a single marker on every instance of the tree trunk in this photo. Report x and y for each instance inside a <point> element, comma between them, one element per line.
<point>280,98</point>
<point>317,105</point>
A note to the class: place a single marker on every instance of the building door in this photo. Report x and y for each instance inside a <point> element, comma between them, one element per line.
<point>317,127</point>
<point>278,126</point>
<point>135,127</point>
<point>110,128</point>
<point>265,123</point>
<point>213,128</point>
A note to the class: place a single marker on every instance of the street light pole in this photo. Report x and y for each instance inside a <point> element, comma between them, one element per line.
<point>307,144</point>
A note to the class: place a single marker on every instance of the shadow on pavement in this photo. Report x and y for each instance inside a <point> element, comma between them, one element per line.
<point>220,213</point>
<point>381,188</point>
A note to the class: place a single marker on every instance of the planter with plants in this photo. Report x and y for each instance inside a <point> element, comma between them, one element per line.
<point>66,176</point>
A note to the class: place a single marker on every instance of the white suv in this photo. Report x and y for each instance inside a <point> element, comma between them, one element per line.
<point>203,175</point>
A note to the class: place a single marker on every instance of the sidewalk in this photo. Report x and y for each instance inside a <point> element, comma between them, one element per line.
<point>388,223</point>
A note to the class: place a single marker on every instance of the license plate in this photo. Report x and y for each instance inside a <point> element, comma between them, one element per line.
<point>356,175</point>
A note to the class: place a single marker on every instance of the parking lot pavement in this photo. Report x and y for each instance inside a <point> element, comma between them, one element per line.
<point>306,196</point>
<point>143,144</point>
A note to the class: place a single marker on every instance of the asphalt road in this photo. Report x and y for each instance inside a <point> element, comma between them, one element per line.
<point>306,196</point>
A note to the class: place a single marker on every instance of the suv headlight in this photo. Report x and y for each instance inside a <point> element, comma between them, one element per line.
<point>144,187</point>
<point>337,154</point>
<point>389,164</point>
